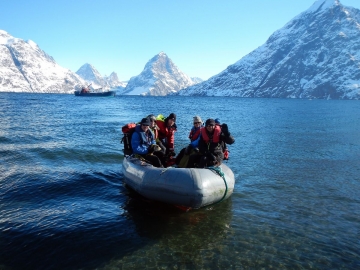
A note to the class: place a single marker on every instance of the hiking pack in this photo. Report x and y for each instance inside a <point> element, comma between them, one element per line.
<point>127,131</point>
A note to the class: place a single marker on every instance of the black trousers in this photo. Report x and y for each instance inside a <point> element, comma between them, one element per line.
<point>180,156</point>
<point>153,160</point>
<point>203,161</point>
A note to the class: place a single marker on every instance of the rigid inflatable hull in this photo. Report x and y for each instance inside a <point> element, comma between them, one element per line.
<point>191,188</point>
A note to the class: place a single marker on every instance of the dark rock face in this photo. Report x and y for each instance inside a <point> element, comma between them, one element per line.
<point>315,55</point>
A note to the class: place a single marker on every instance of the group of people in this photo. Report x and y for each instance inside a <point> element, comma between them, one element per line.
<point>153,140</point>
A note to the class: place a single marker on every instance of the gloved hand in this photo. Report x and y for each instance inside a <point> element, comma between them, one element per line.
<point>151,149</point>
<point>188,150</point>
<point>225,129</point>
<point>213,160</point>
<point>212,157</point>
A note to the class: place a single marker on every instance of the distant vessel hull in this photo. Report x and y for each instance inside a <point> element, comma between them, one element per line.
<point>93,94</point>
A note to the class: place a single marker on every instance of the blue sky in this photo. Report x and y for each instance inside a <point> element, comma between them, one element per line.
<point>201,37</point>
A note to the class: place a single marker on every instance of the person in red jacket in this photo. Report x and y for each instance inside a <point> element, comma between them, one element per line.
<point>183,156</point>
<point>167,128</point>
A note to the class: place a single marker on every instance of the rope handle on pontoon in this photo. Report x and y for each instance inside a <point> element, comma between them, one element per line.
<point>222,175</point>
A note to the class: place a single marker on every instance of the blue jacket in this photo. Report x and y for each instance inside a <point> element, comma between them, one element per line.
<point>195,143</point>
<point>140,141</point>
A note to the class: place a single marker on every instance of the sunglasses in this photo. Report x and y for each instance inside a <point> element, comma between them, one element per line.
<point>210,126</point>
<point>197,123</point>
<point>152,120</point>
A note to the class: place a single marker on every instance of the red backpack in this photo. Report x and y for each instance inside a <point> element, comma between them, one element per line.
<point>127,131</point>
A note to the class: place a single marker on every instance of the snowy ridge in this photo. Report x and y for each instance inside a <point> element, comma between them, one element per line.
<point>159,78</point>
<point>92,77</point>
<point>315,55</point>
<point>113,81</point>
<point>24,67</point>
<point>196,80</point>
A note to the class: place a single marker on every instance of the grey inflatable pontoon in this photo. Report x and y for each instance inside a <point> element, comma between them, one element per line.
<point>189,188</point>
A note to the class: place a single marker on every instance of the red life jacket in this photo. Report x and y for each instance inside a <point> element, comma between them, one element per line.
<point>216,135</point>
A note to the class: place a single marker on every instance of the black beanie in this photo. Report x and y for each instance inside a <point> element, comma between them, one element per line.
<point>172,116</point>
<point>145,122</point>
<point>210,122</point>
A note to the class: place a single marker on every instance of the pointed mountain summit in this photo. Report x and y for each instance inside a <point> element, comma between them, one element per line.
<point>315,55</point>
<point>24,67</point>
<point>113,81</point>
<point>159,78</point>
<point>90,74</point>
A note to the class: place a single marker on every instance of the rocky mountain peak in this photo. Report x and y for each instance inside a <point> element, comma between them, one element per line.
<point>160,63</point>
<point>114,82</point>
<point>315,55</point>
<point>92,76</point>
<point>159,77</point>
<point>89,73</point>
<point>24,67</point>
<point>322,5</point>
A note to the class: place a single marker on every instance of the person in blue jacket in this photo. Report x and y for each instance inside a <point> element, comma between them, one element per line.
<point>143,143</point>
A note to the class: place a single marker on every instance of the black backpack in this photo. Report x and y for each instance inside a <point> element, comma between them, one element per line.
<point>128,131</point>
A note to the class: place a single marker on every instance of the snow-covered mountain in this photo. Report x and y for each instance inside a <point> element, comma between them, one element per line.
<point>24,67</point>
<point>114,82</point>
<point>315,55</point>
<point>92,76</point>
<point>159,78</point>
<point>196,80</point>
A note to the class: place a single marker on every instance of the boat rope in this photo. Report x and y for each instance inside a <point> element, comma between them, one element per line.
<point>219,171</point>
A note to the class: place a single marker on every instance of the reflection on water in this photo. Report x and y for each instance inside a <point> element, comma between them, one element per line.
<point>63,205</point>
<point>174,238</point>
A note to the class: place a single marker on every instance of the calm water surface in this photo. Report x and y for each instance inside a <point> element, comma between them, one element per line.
<point>63,205</point>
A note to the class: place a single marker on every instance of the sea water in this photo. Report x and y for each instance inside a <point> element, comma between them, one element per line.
<point>63,204</point>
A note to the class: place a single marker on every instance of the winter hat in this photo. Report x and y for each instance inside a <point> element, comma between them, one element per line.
<point>210,122</point>
<point>197,119</point>
<point>172,116</point>
<point>217,121</point>
<point>145,122</point>
<point>151,117</point>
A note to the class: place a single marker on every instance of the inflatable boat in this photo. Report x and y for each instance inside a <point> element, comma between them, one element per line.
<point>187,188</point>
